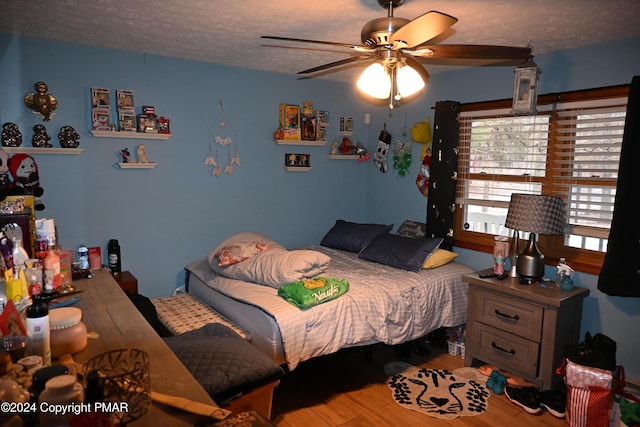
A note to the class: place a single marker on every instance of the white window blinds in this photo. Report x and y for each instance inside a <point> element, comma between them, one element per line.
<point>571,150</point>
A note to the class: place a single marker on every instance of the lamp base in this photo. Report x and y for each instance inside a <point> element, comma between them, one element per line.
<point>530,264</point>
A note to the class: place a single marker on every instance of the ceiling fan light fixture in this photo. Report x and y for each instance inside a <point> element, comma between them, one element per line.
<point>375,81</point>
<point>409,81</point>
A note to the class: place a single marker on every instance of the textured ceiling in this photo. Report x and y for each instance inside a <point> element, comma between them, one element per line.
<point>228,31</point>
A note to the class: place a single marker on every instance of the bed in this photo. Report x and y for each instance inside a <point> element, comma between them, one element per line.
<point>384,303</point>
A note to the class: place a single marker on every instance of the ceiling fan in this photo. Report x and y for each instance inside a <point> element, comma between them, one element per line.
<point>394,44</point>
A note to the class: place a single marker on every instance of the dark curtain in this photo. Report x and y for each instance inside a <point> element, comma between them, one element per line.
<point>620,273</point>
<point>441,200</point>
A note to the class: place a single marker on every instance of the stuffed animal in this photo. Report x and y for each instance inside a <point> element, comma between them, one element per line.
<point>26,180</point>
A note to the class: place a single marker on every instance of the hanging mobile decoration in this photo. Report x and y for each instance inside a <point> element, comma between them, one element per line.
<point>380,156</point>
<point>402,151</point>
<point>223,139</point>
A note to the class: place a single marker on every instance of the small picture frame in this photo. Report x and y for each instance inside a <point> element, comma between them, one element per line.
<point>147,123</point>
<point>100,97</point>
<point>124,98</point>
<point>100,119</point>
<point>127,121</point>
<point>301,160</point>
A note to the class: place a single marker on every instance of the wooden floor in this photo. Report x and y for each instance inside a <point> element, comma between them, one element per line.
<point>346,389</point>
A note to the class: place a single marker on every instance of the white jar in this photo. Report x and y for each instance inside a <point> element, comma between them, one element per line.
<point>60,390</point>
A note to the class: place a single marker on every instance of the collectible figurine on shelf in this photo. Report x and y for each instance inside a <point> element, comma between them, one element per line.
<point>26,180</point>
<point>11,135</point>
<point>142,156</point>
<point>68,137</point>
<point>40,137</point>
<point>126,155</point>
<point>40,101</point>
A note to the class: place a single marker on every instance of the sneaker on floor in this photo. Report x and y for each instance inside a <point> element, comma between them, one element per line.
<point>554,401</point>
<point>528,398</point>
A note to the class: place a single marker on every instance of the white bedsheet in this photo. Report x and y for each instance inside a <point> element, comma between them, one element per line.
<point>384,304</point>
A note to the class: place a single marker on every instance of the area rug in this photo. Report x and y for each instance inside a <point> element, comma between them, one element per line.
<point>437,392</point>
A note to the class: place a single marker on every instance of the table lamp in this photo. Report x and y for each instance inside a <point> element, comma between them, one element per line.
<point>536,214</point>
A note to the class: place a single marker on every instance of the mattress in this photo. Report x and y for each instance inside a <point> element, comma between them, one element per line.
<point>383,304</point>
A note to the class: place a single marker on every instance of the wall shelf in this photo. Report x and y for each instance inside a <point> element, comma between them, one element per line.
<point>300,142</point>
<point>343,156</point>
<point>129,135</point>
<point>42,150</point>
<point>132,165</point>
<point>297,168</point>
<point>345,133</point>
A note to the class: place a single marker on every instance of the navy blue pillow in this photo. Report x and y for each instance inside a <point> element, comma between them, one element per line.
<point>407,253</point>
<point>351,236</point>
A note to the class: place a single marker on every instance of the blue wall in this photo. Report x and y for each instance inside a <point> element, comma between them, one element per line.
<point>173,214</point>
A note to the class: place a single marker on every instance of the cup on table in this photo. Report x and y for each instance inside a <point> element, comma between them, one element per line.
<point>16,346</point>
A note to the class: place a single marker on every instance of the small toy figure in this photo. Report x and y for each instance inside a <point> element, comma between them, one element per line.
<point>334,147</point>
<point>11,135</point>
<point>347,146</point>
<point>26,180</point>
<point>362,152</point>
<point>40,101</point>
<point>142,156</point>
<point>126,155</point>
<point>68,137</point>
<point>40,137</point>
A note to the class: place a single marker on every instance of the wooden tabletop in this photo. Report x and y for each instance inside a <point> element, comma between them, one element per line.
<point>107,311</point>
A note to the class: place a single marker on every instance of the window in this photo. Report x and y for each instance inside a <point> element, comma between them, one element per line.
<point>570,148</point>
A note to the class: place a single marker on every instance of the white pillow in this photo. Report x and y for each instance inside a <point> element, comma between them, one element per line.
<point>276,267</point>
<point>272,267</point>
<point>236,240</point>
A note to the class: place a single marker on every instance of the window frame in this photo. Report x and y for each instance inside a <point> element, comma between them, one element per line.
<point>553,247</point>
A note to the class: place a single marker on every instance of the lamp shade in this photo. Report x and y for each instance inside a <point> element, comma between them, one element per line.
<point>375,81</point>
<point>535,213</point>
<point>409,81</point>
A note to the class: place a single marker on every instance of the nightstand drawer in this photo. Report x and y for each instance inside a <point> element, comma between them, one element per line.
<point>508,351</point>
<point>509,314</point>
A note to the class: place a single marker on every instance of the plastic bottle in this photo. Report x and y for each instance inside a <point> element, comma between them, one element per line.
<point>83,257</point>
<point>560,270</point>
<point>38,332</point>
<point>113,251</point>
<point>51,266</point>
<point>19,254</point>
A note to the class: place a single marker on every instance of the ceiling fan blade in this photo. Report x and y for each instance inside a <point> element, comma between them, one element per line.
<point>334,64</point>
<point>423,28</point>
<point>292,39</point>
<point>471,51</point>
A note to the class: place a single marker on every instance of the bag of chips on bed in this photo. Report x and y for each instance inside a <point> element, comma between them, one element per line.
<point>310,292</point>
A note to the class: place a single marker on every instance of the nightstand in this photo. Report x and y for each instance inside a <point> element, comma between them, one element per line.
<point>522,329</point>
<point>127,282</point>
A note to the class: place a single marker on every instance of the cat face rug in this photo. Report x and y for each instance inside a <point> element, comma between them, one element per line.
<point>438,393</point>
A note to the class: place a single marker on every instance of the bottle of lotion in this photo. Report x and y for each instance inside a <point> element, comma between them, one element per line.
<point>38,332</point>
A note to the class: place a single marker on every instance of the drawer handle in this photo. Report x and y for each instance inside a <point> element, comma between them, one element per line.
<point>497,347</point>
<point>499,313</point>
